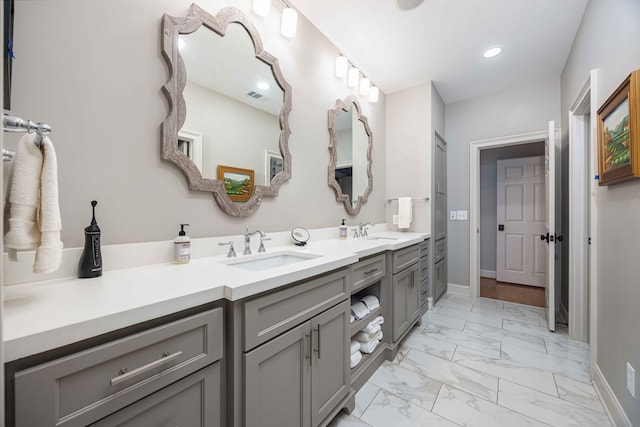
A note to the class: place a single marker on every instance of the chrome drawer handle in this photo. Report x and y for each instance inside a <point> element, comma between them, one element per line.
<point>371,271</point>
<point>125,374</point>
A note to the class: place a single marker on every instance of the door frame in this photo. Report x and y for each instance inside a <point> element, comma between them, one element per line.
<point>474,195</point>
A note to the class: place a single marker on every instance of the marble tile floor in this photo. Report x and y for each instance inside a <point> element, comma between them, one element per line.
<point>480,362</point>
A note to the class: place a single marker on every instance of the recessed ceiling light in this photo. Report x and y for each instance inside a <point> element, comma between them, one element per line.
<point>408,4</point>
<point>263,85</point>
<point>491,52</point>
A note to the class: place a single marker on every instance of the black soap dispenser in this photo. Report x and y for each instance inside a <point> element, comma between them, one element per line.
<point>90,264</point>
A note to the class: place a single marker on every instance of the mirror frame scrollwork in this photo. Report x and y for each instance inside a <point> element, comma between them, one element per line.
<point>172,27</point>
<point>343,106</point>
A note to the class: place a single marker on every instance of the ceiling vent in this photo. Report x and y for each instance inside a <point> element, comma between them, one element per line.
<point>408,4</point>
<point>255,95</point>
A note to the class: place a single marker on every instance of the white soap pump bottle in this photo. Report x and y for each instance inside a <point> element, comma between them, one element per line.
<point>182,247</point>
<point>343,230</point>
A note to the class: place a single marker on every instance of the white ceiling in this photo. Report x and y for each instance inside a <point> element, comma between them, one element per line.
<point>443,41</point>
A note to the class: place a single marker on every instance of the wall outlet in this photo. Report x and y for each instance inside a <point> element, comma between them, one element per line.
<point>631,380</point>
<point>395,219</point>
<point>453,215</point>
<point>463,215</point>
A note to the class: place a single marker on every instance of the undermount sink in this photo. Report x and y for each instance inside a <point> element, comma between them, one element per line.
<point>381,238</point>
<point>266,261</point>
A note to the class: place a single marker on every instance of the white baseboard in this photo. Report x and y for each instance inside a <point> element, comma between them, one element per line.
<point>610,402</point>
<point>491,274</point>
<point>454,288</point>
<point>563,313</point>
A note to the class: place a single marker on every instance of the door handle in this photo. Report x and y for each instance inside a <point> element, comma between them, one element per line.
<point>500,227</point>
<point>125,374</point>
<point>318,350</point>
<point>310,356</point>
<point>559,238</point>
<point>544,237</point>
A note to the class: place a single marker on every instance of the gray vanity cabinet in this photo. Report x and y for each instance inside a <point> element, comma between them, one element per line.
<point>298,378</point>
<point>406,290</point>
<point>424,275</point>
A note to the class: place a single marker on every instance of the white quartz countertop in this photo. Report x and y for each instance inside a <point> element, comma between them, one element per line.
<point>41,316</point>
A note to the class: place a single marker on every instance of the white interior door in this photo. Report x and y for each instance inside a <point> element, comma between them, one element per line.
<point>550,225</point>
<point>521,256</point>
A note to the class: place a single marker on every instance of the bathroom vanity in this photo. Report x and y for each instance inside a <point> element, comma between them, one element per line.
<point>209,343</point>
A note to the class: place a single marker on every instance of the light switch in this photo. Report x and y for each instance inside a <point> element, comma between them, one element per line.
<point>463,215</point>
<point>453,215</point>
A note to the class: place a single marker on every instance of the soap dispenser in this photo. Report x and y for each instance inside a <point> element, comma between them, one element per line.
<point>182,247</point>
<point>343,230</point>
<point>90,264</point>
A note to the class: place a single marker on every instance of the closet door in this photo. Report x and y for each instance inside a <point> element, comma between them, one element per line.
<point>440,215</point>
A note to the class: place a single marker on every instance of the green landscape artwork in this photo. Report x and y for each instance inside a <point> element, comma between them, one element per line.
<point>617,150</point>
<point>237,184</point>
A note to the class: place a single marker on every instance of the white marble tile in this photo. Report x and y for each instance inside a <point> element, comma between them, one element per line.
<point>512,315</point>
<point>504,335</point>
<point>536,379</point>
<point>389,410</point>
<point>481,384</point>
<point>569,349</point>
<point>364,397</point>
<point>578,392</point>
<point>447,321</point>
<point>560,335</point>
<point>458,305</point>
<point>344,420</point>
<point>468,410</point>
<point>429,343</point>
<point>407,384</point>
<point>548,409</point>
<point>485,319</point>
<point>571,368</point>
<point>488,304</point>
<point>454,336</point>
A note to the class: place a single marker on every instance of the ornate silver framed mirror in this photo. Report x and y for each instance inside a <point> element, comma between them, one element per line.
<point>350,146</point>
<point>228,124</point>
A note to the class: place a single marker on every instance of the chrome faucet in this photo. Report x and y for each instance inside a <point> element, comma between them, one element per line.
<point>247,241</point>
<point>232,251</point>
<point>263,238</point>
<point>362,229</point>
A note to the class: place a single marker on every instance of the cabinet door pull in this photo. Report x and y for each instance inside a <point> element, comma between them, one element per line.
<point>373,270</point>
<point>125,374</point>
<point>318,350</point>
<point>310,356</point>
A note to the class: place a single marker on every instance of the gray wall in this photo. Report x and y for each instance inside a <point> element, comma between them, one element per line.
<point>94,71</point>
<point>488,196</point>
<point>525,109</point>
<point>609,40</point>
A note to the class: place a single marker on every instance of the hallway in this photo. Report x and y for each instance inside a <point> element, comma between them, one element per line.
<point>480,362</point>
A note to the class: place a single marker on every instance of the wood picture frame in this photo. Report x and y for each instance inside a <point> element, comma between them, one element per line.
<point>619,133</point>
<point>238,183</point>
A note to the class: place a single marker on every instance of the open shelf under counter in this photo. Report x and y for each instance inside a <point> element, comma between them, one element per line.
<point>358,325</point>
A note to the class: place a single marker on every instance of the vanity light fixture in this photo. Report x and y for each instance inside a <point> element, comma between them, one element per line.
<point>491,52</point>
<point>353,77</point>
<point>373,94</point>
<point>263,85</point>
<point>342,64</point>
<point>365,86</point>
<point>289,22</point>
<point>261,7</point>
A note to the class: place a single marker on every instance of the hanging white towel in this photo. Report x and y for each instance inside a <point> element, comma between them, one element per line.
<point>34,213</point>
<point>404,212</point>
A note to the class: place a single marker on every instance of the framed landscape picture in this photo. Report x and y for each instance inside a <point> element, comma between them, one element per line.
<point>238,183</point>
<point>619,133</point>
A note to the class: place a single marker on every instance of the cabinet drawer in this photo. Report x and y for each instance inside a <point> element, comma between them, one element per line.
<point>403,258</point>
<point>424,267</point>
<point>368,271</point>
<point>441,247</point>
<point>268,316</point>
<point>424,248</point>
<point>84,387</point>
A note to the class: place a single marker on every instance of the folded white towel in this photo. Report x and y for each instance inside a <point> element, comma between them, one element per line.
<point>369,347</point>
<point>34,191</point>
<point>355,359</point>
<point>364,337</point>
<point>405,213</point>
<point>371,301</point>
<point>49,253</point>
<point>359,310</point>
<point>355,346</point>
<point>373,326</point>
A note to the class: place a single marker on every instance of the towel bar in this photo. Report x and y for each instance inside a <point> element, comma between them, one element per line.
<point>7,155</point>
<point>425,199</point>
<point>16,124</point>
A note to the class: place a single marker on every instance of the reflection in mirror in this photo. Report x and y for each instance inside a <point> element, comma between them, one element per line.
<point>230,106</point>
<point>350,155</point>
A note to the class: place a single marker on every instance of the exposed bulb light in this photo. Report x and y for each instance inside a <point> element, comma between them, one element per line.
<point>261,7</point>
<point>365,85</point>
<point>373,94</point>
<point>263,85</point>
<point>181,43</point>
<point>353,77</point>
<point>289,22</point>
<point>341,66</point>
<point>491,52</point>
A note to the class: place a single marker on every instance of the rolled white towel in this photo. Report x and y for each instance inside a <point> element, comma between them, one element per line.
<point>364,336</point>
<point>355,346</point>
<point>355,359</point>
<point>369,347</point>
<point>371,301</point>
<point>359,310</point>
